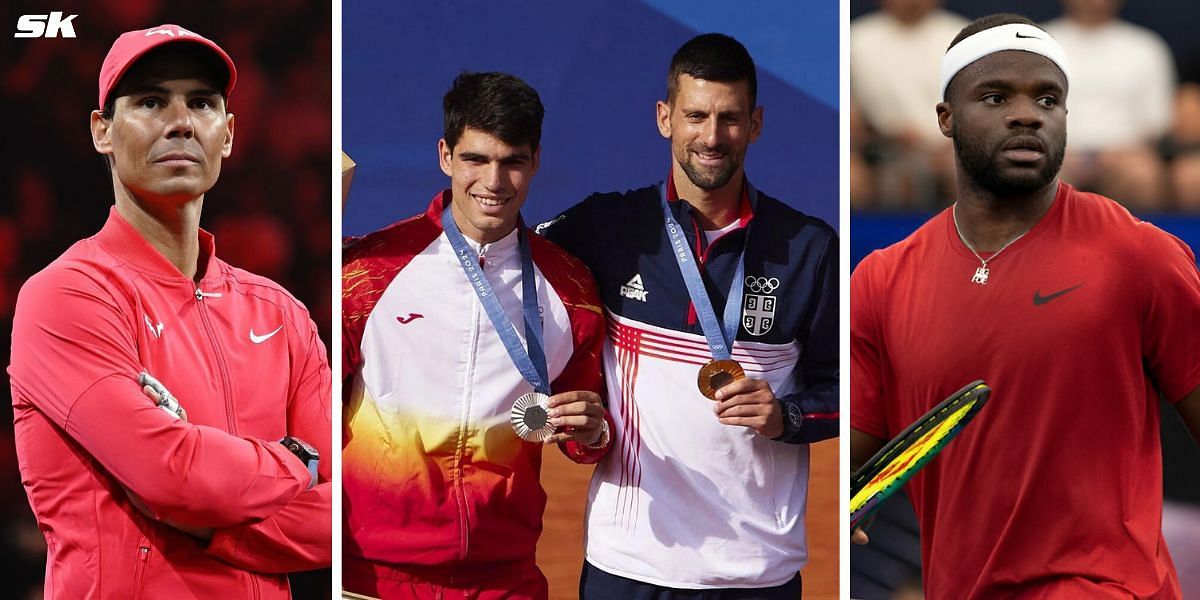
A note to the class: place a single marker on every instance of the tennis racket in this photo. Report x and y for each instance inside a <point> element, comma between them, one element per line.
<point>906,453</point>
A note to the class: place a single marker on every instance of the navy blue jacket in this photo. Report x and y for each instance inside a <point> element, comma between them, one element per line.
<point>791,262</point>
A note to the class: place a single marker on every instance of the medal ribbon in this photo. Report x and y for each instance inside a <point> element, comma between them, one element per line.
<point>530,362</point>
<point>720,336</point>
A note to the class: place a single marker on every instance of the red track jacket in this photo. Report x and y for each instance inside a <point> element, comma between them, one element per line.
<point>244,359</point>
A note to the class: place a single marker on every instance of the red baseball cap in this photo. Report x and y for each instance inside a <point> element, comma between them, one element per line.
<point>133,45</point>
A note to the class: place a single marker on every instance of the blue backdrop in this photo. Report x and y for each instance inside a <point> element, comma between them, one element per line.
<point>599,68</point>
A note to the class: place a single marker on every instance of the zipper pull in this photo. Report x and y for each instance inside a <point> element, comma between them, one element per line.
<point>201,295</point>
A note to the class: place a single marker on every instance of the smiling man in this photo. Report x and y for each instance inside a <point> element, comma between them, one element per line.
<point>220,499</point>
<point>1077,314</point>
<point>468,343</point>
<point>721,359</point>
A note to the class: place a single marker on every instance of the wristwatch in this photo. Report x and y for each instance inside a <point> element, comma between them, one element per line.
<point>601,441</point>
<point>306,453</point>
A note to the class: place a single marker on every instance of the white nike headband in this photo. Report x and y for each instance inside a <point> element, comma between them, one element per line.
<point>1015,36</point>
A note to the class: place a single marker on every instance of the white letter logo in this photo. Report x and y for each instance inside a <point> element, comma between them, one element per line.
<point>50,26</point>
<point>634,290</point>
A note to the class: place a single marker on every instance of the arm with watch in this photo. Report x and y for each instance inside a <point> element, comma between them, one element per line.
<point>299,536</point>
<point>165,400</point>
<point>811,413</point>
<point>577,408</point>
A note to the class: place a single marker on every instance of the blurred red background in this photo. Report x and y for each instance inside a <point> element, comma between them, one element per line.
<point>270,210</point>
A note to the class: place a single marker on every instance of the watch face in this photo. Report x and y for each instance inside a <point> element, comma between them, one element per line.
<point>299,448</point>
<point>795,415</point>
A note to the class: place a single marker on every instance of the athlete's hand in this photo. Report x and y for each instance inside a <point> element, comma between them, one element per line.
<point>859,536</point>
<point>153,395</point>
<point>577,416</point>
<point>750,403</point>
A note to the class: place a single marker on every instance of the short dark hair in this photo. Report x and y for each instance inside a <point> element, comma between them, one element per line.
<point>988,22</point>
<point>497,104</point>
<point>713,57</point>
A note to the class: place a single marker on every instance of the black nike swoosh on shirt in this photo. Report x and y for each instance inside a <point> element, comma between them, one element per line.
<point>1027,37</point>
<point>1039,299</point>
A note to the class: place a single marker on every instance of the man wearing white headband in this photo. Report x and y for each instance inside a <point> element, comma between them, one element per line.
<point>1076,313</point>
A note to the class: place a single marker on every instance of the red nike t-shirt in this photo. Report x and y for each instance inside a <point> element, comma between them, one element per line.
<point>1055,490</point>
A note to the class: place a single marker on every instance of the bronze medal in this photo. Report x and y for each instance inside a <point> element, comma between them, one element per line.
<point>716,374</point>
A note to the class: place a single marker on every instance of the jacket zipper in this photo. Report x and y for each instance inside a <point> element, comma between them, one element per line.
<point>139,568</point>
<point>461,449</point>
<point>230,417</point>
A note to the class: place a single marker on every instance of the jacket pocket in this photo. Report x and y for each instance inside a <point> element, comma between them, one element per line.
<point>139,567</point>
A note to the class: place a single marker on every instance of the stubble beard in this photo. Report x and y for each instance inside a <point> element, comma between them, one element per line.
<point>709,180</point>
<point>981,165</point>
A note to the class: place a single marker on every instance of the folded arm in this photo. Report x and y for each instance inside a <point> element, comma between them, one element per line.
<point>299,536</point>
<point>74,360</point>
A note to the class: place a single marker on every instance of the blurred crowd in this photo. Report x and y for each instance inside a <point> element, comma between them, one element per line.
<point>270,210</point>
<point>1133,122</point>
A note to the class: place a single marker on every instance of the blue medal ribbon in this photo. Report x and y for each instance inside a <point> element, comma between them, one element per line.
<point>720,336</point>
<point>530,362</point>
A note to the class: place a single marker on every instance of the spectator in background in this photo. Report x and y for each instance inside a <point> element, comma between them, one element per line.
<point>894,53</point>
<point>1184,144</point>
<point>1122,83</point>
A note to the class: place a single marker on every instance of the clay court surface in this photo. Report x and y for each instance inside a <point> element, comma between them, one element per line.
<point>560,551</point>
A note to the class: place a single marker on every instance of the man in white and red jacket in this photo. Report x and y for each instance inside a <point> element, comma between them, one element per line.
<point>439,313</point>
<point>133,500</point>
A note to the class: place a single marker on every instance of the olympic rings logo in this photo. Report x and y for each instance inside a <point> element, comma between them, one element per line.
<point>762,285</point>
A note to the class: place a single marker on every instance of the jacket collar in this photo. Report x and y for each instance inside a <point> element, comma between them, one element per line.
<point>127,243</point>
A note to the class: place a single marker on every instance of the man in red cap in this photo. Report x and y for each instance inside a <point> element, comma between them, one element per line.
<point>216,490</point>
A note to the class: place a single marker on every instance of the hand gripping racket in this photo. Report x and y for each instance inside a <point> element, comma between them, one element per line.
<point>906,453</point>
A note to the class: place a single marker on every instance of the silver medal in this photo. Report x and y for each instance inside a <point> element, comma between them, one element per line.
<point>530,418</point>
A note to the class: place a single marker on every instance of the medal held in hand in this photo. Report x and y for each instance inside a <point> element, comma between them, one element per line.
<point>716,374</point>
<point>528,415</point>
<point>722,369</point>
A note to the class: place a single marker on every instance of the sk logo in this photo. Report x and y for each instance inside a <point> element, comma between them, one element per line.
<point>50,26</point>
